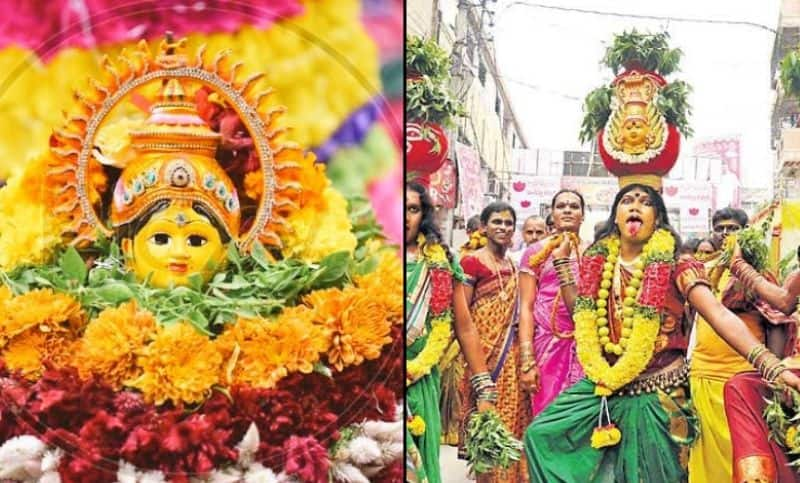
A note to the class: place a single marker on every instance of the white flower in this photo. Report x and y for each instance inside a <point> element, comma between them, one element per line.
<point>391,452</point>
<point>257,473</point>
<point>50,477</point>
<point>51,458</point>
<point>363,450</point>
<point>21,458</point>
<point>347,473</point>
<point>383,431</point>
<point>248,446</point>
<point>228,475</point>
<point>127,474</point>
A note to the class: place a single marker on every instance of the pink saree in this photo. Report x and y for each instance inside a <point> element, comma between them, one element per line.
<point>553,342</point>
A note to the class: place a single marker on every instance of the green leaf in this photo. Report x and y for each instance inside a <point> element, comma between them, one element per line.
<point>196,281</point>
<point>114,293</point>
<point>333,270</point>
<point>234,256</point>
<point>259,254</point>
<point>73,265</point>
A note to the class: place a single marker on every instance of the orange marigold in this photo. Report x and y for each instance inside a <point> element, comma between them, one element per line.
<point>111,343</point>
<point>49,311</point>
<point>359,325</point>
<point>261,352</point>
<point>385,285</point>
<point>179,365</point>
<point>26,352</point>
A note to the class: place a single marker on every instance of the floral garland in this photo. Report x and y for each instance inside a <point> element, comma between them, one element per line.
<point>476,240</point>
<point>441,312</point>
<point>551,245</point>
<point>643,302</point>
<point>122,395</point>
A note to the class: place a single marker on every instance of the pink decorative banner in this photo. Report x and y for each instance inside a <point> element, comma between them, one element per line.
<point>469,183</point>
<point>728,152</point>
<point>443,185</point>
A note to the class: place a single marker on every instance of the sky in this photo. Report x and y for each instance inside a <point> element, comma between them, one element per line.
<point>550,60</point>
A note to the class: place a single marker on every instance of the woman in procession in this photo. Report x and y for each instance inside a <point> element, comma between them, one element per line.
<point>432,272</point>
<point>547,345</point>
<point>489,293</point>
<point>757,456</point>
<point>630,420</point>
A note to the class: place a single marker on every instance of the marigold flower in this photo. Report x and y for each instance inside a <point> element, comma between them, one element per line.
<point>261,352</point>
<point>359,326</point>
<point>385,285</point>
<point>179,365</point>
<point>43,308</point>
<point>111,343</point>
<point>308,242</point>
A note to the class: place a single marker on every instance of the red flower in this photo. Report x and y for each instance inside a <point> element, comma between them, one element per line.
<point>655,283</point>
<point>307,459</point>
<point>591,272</point>
<point>442,291</point>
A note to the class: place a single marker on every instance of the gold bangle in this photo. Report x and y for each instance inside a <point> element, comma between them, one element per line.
<point>527,366</point>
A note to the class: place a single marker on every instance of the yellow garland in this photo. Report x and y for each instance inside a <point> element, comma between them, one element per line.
<point>552,243</point>
<point>639,349</point>
<point>416,426</point>
<point>437,342</point>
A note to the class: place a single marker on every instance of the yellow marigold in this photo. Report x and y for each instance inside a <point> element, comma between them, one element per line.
<point>385,285</point>
<point>28,350</point>
<point>29,232</point>
<point>179,365</point>
<point>359,326</point>
<point>25,353</point>
<point>43,308</point>
<point>254,184</point>
<point>261,352</point>
<point>416,426</point>
<point>111,343</point>
<point>314,233</point>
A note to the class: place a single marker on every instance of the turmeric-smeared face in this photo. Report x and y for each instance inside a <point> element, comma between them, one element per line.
<point>636,216</point>
<point>173,245</point>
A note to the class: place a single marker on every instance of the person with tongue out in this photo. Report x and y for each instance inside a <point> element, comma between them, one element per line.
<point>630,418</point>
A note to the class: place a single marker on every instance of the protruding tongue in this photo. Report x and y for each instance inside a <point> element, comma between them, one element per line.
<point>633,227</point>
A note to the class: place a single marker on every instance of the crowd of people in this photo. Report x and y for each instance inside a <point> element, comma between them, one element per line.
<point>630,357</point>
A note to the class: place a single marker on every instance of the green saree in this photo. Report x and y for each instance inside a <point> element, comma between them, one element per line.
<point>422,397</point>
<point>657,429</point>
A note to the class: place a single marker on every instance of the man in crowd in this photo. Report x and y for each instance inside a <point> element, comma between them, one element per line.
<point>533,230</point>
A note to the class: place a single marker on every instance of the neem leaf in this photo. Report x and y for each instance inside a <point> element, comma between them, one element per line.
<point>333,270</point>
<point>114,293</point>
<point>73,265</point>
<point>259,254</point>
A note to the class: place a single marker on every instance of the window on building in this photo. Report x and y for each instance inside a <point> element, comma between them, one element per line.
<point>576,163</point>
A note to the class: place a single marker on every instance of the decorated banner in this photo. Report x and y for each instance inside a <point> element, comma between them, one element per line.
<point>596,191</point>
<point>727,151</point>
<point>529,193</point>
<point>694,203</point>
<point>470,183</point>
<point>443,185</point>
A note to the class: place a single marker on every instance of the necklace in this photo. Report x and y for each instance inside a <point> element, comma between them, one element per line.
<point>498,273</point>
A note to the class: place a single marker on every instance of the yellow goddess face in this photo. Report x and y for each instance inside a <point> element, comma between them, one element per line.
<point>173,245</point>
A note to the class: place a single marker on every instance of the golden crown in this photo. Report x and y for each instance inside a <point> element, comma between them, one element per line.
<point>174,159</point>
<point>172,154</point>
